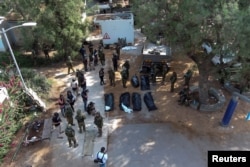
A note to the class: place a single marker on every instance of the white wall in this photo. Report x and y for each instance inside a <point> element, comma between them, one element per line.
<point>117,29</point>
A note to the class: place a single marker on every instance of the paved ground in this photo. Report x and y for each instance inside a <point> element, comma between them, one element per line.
<point>88,146</point>
<point>162,145</point>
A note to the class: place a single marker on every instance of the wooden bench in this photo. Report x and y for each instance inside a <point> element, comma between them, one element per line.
<point>47,129</point>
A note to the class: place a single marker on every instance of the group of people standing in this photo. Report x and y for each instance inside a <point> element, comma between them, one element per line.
<point>95,56</point>
<point>78,88</point>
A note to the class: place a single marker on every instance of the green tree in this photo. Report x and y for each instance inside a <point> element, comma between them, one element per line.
<point>191,24</point>
<point>58,23</point>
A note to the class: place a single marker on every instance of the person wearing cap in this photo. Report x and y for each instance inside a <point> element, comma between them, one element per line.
<point>80,120</point>
<point>56,121</point>
<point>98,121</point>
<point>70,133</point>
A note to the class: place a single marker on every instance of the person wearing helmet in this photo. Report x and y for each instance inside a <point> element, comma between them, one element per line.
<point>80,120</point>
<point>98,121</point>
<point>70,133</point>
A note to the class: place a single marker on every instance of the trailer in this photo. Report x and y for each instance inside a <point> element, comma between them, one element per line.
<point>155,55</point>
<point>116,28</point>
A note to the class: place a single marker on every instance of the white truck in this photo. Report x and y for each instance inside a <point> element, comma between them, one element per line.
<point>115,27</point>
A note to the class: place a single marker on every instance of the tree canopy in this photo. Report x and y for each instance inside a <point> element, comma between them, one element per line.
<point>59,23</point>
<point>189,24</point>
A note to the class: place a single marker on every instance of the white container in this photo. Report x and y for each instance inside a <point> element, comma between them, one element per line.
<point>114,26</point>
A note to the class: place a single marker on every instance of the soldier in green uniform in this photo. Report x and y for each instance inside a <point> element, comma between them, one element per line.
<point>70,65</point>
<point>111,77</point>
<point>101,57</point>
<point>80,120</point>
<point>165,70</point>
<point>154,71</point>
<point>188,75</point>
<point>69,114</point>
<point>98,121</point>
<point>126,66</point>
<point>70,133</point>
<point>124,76</point>
<point>173,79</point>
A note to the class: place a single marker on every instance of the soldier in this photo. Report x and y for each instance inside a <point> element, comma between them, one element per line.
<point>124,76</point>
<point>115,61</point>
<point>70,133</point>
<point>165,70</point>
<point>154,71</point>
<point>188,75</point>
<point>80,77</point>
<point>111,77</point>
<point>91,108</point>
<point>80,120</point>
<point>46,51</point>
<point>70,65</point>
<point>69,114</point>
<point>98,121</point>
<point>173,79</point>
<point>101,76</point>
<point>126,66</point>
<point>102,57</point>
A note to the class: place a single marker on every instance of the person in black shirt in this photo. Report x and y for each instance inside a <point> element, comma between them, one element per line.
<point>56,121</point>
<point>101,75</point>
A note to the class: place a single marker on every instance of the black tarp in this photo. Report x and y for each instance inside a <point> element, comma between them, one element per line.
<point>145,84</point>
<point>149,101</point>
<point>136,101</point>
<point>109,101</point>
<point>125,100</point>
<point>135,81</point>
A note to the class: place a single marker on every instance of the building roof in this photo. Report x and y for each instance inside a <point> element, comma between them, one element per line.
<point>114,16</point>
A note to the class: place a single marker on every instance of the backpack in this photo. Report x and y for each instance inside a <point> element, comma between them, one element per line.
<point>68,112</point>
<point>69,132</point>
<point>80,118</point>
<point>99,160</point>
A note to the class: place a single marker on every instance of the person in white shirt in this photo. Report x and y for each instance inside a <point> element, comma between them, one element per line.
<point>103,156</point>
<point>74,86</point>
